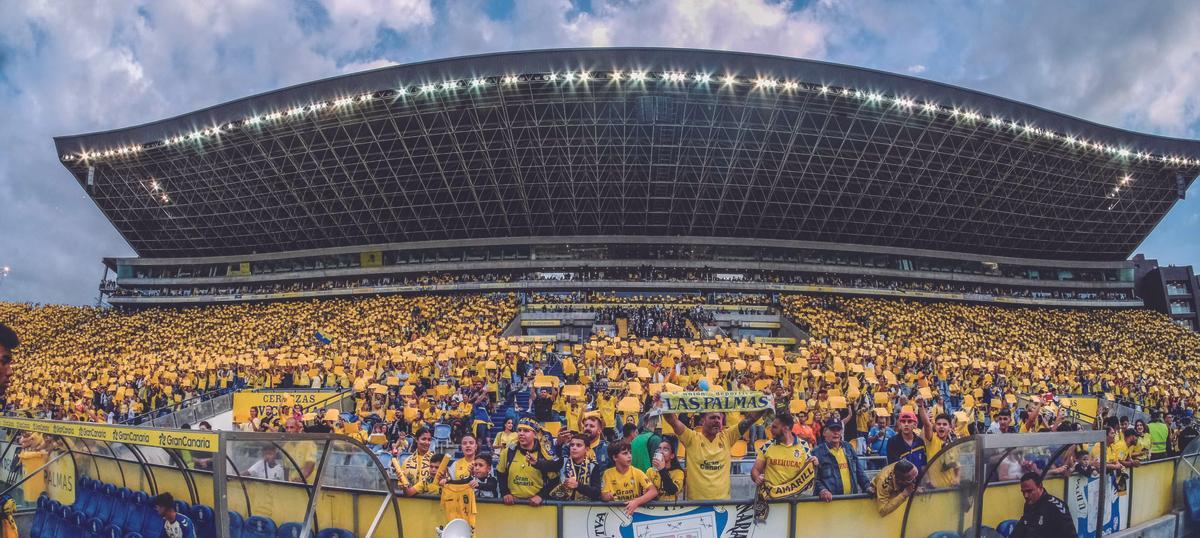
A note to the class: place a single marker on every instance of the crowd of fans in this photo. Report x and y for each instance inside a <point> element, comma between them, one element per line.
<point>644,274</point>
<point>890,379</point>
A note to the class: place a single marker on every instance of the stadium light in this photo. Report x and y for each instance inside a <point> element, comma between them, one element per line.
<point>762,82</point>
<point>154,185</point>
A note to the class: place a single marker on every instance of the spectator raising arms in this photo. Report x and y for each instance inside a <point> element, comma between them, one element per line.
<point>709,453</point>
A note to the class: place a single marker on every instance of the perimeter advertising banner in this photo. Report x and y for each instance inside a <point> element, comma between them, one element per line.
<point>1083,499</point>
<point>183,440</point>
<point>721,521</point>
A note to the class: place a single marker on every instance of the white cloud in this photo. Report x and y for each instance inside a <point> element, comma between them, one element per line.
<point>916,69</point>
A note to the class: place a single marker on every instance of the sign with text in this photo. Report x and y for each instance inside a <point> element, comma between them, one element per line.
<point>183,440</point>
<point>703,401</point>
<point>243,401</point>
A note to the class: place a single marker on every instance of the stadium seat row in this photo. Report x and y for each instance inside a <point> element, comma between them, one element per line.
<point>106,511</point>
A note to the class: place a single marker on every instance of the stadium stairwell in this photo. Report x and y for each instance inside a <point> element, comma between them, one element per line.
<point>622,327</point>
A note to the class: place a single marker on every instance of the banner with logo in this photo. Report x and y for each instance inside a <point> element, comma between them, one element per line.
<point>721,521</point>
<point>704,401</point>
<point>1083,499</point>
<point>183,440</point>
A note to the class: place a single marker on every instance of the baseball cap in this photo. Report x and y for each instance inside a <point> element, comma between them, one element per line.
<point>908,415</point>
<point>834,423</point>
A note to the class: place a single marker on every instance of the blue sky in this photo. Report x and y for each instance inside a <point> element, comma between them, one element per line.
<point>74,66</point>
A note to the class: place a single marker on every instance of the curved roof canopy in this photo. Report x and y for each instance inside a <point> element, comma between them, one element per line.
<point>631,142</point>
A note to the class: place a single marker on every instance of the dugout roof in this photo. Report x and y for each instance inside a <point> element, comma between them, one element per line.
<point>599,142</point>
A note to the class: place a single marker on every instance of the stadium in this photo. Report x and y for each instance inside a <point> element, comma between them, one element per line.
<point>417,264</point>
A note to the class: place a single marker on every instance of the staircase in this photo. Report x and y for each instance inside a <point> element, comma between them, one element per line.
<point>520,403</point>
<point>622,328</point>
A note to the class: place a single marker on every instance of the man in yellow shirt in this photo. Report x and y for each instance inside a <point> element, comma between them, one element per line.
<point>894,485</point>
<point>624,482</point>
<point>785,466</point>
<point>709,453</point>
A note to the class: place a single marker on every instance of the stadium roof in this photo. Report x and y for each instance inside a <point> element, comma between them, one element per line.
<point>627,141</point>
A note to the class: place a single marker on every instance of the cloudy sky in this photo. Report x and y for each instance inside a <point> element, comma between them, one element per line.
<point>75,66</point>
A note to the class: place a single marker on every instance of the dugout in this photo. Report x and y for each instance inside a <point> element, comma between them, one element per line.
<point>79,479</point>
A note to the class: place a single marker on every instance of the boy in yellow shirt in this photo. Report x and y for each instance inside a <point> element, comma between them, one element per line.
<point>624,482</point>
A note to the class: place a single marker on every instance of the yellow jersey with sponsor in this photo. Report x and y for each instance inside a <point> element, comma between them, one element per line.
<point>707,462</point>
<point>524,480</point>
<point>624,486</point>
<point>789,471</point>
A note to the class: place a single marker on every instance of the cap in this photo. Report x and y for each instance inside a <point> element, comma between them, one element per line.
<point>529,424</point>
<point>834,423</point>
<point>908,415</point>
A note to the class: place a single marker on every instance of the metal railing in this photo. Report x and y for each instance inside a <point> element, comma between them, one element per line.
<point>193,413</point>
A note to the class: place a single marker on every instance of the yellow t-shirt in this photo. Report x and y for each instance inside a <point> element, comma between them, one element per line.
<point>1118,451</point>
<point>608,410</point>
<point>707,476</point>
<point>524,480</point>
<point>933,446</point>
<point>676,477</point>
<point>302,452</point>
<point>624,486</point>
<point>839,456</point>
<point>789,471</point>
<point>415,470</point>
<point>504,439</point>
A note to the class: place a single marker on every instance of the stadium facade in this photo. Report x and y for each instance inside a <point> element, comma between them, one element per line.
<point>629,169</point>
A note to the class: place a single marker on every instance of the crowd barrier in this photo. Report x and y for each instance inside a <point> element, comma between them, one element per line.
<point>332,483</point>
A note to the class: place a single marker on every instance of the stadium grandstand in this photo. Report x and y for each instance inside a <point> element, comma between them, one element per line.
<point>696,292</point>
